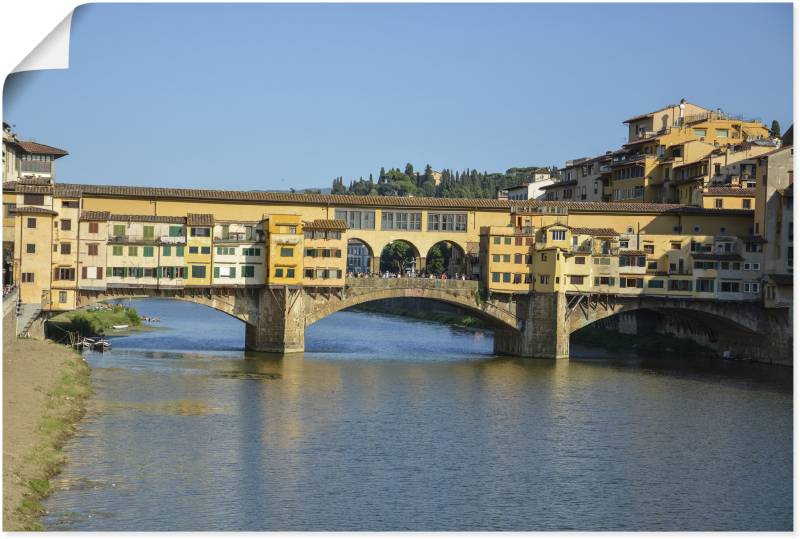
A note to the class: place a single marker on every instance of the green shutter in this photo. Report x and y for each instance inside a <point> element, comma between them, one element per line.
<point>158,272</point>
<point>233,273</point>
<point>167,250</point>
<point>179,250</point>
<point>148,232</point>
<point>216,272</point>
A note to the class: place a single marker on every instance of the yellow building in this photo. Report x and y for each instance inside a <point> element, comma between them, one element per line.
<point>324,252</point>
<point>729,198</point>
<point>285,250</point>
<point>198,248</point>
<point>671,152</point>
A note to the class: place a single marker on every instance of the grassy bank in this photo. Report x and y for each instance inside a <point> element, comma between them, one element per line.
<point>45,388</point>
<point>647,345</point>
<point>98,319</point>
<point>452,319</point>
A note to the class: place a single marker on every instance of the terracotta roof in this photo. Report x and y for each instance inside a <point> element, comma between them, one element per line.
<point>113,191</point>
<point>326,224</point>
<point>781,279</point>
<point>34,147</point>
<point>94,216</point>
<point>34,209</point>
<point>35,181</point>
<point>200,219</point>
<point>716,256</point>
<point>147,218</point>
<point>731,191</point>
<point>602,232</point>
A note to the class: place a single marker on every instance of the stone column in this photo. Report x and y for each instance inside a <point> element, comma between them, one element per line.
<point>280,327</point>
<point>545,331</point>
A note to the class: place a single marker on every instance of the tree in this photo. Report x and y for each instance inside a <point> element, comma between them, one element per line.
<point>775,130</point>
<point>397,256</point>
<point>338,187</point>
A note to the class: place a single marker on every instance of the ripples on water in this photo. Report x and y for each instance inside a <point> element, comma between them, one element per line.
<point>391,424</point>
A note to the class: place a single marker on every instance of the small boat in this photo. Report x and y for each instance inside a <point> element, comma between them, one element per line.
<point>121,326</point>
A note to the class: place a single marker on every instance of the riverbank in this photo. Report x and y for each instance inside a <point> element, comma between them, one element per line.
<point>449,318</point>
<point>45,388</point>
<point>96,320</point>
<point>652,344</point>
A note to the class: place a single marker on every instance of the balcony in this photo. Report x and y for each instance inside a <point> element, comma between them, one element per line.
<point>238,238</point>
<point>626,159</point>
<point>38,167</point>
<point>134,238</point>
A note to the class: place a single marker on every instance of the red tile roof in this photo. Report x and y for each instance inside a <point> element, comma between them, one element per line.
<point>731,191</point>
<point>200,219</point>
<point>600,232</point>
<point>34,209</point>
<point>34,147</point>
<point>147,218</point>
<point>94,216</point>
<point>326,224</point>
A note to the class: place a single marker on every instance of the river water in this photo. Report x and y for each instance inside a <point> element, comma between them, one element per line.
<point>391,424</point>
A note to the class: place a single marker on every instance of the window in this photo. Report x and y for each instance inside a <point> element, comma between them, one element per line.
<point>495,277</point>
<point>631,282</point>
<point>33,200</point>
<point>148,251</point>
<point>30,248</point>
<point>393,220</point>
<point>652,265</point>
<point>452,222</point>
<point>623,244</point>
<point>194,250</point>
<point>544,279</point>
<point>200,232</point>
<point>649,249</point>
<point>91,272</point>
<point>94,228</point>
<point>278,272</point>
<point>675,245</point>
<point>287,251</point>
<point>705,264</point>
<point>506,258</point>
<point>517,258</point>
<point>66,248</point>
<point>507,277</point>
<point>119,230</point>
<point>655,283</point>
<point>64,274</point>
<point>27,277</point>
<point>722,133</point>
<point>66,224</point>
<point>751,287</point>
<point>179,250</point>
<point>718,203</point>
<point>729,286</point>
<point>225,271</point>
<point>175,231</point>
<point>92,249</point>
<point>226,250</point>
<point>166,250</point>
<point>133,250</point>
<point>704,285</point>
<point>205,250</point>
<point>198,272</point>
<point>148,231</point>
<point>31,222</point>
<point>358,219</point>
<point>62,296</point>
<point>559,235</point>
<point>248,271</point>
<point>682,285</point>
<point>495,258</point>
<point>699,132</point>
<point>251,251</point>
<point>580,260</point>
<point>576,279</point>
<point>746,203</point>
<point>696,228</point>
<point>604,281</point>
<point>116,250</point>
<point>507,241</point>
<point>289,273</point>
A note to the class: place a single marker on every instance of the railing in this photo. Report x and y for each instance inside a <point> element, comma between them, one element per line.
<point>409,282</point>
<point>631,158</point>
<point>131,238</point>
<point>237,238</point>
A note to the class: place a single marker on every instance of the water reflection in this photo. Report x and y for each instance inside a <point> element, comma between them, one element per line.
<point>390,424</point>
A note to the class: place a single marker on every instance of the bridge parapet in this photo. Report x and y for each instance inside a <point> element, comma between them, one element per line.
<point>410,283</point>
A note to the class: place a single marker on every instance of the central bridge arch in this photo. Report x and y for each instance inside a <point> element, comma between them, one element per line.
<point>463,294</point>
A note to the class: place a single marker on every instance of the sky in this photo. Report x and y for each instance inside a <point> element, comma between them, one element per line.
<point>279,96</point>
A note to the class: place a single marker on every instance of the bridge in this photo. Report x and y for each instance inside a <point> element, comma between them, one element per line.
<point>528,325</point>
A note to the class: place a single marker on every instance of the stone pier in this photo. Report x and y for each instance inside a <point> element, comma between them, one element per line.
<point>544,332</point>
<point>281,324</point>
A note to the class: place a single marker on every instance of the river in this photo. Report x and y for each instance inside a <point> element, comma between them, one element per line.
<point>387,423</point>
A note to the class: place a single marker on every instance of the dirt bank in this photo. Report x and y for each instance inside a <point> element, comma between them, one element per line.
<point>45,387</point>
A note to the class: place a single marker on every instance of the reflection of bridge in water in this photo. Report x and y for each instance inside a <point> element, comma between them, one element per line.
<point>529,325</point>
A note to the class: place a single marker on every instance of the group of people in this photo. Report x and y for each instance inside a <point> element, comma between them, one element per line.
<point>422,275</point>
<point>8,288</point>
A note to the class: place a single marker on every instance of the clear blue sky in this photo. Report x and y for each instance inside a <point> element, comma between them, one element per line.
<point>278,96</point>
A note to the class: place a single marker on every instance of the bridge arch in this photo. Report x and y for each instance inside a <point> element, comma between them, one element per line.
<point>360,257</point>
<point>465,298</point>
<point>446,256</point>
<point>241,304</point>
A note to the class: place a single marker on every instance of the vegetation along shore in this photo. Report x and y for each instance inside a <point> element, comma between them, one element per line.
<point>45,388</point>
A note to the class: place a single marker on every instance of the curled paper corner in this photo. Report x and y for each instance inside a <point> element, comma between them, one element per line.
<point>52,52</point>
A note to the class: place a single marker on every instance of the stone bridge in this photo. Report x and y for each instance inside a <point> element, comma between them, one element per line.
<point>528,325</point>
